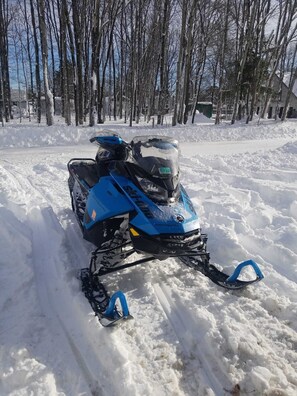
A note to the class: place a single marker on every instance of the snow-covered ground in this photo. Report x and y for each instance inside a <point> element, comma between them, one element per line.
<point>188,336</point>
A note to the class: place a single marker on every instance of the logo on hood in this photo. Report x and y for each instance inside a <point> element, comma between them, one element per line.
<point>179,218</point>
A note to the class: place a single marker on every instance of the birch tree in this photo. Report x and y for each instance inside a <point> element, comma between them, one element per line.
<point>37,65</point>
<point>249,12</point>
<point>179,67</point>
<point>221,62</point>
<point>49,105</point>
<point>282,36</point>
<point>163,91</point>
<point>5,18</point>
<point>64,63</point>
<point>79,29</point>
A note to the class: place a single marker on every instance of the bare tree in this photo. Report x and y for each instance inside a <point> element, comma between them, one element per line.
<point>179,66</point>
<point>209,15</point>
<point>249,13</point>
<point>1,99</point>
<point>5,19</point>
<point>79,29</point>
<point>64,63</point>
<point>37,66</point>
<point>261,45</point>
<point>49,105</point>
<point>221,62</point>
<point>29,54</point>
<point>96,35</point>
<point>163,92</point>
<point>147,57</point>
<point>285,32</point>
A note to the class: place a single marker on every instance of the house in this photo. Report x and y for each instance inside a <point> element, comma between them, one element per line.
<point>19,103</point>
<point>281,89</point>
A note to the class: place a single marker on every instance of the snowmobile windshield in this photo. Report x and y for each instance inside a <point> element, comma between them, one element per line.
<point>157,155</point>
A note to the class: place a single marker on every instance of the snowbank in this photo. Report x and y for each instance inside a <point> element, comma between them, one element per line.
<point>26,135</point>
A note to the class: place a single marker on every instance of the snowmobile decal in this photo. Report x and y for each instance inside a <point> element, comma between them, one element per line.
<point>129,201</point>
<point>137,199</point>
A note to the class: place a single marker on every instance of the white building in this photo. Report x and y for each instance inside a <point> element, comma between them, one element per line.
<point>281,89</point>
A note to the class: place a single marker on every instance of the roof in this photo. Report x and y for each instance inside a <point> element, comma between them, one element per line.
<point>286,81</point>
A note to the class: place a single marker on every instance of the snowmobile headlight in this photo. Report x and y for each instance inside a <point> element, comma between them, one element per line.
<point>151,189</point>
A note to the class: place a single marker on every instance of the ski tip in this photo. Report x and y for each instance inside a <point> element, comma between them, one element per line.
<point>232,279</point>
<point>112,316</point>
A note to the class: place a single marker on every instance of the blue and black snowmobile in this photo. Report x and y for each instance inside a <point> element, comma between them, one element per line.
<point>128,201</point>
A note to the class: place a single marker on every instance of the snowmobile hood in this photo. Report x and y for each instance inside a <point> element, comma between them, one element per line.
<point>153,219</point>
<point>106,201</point>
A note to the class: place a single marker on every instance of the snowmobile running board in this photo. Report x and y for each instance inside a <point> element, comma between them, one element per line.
<point>105,307</point>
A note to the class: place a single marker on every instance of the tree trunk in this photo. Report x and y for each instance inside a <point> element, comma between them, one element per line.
<point>179,66</point>
<point>79,30</point>
<point>4,65</point>
<point>163,92</point>
<point>64,63</point>
<point>1,99</point>
<point>222,65</point>
<point>31,90</point>
<point>37,69</point>
<point>49,106</point>
<point>249,17</point>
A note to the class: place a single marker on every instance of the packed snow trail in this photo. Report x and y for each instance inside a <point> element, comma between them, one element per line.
<point>190,334</point>
<point>66,322</point>
<point>188,337</point>
<point>60,299</point>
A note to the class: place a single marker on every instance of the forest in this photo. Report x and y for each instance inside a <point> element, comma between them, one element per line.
<point>94,60</point>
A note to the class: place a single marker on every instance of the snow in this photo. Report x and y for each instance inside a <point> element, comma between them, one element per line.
<point>188,336</point>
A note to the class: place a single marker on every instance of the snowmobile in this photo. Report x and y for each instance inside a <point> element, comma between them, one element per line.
<point>128,202</point>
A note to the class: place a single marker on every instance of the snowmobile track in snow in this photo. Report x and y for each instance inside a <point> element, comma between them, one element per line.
<point>57,300</point>
<point>183,323</point>
<point>66,322</point>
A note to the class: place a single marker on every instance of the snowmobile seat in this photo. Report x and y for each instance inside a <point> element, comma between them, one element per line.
<point>86,171</point>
